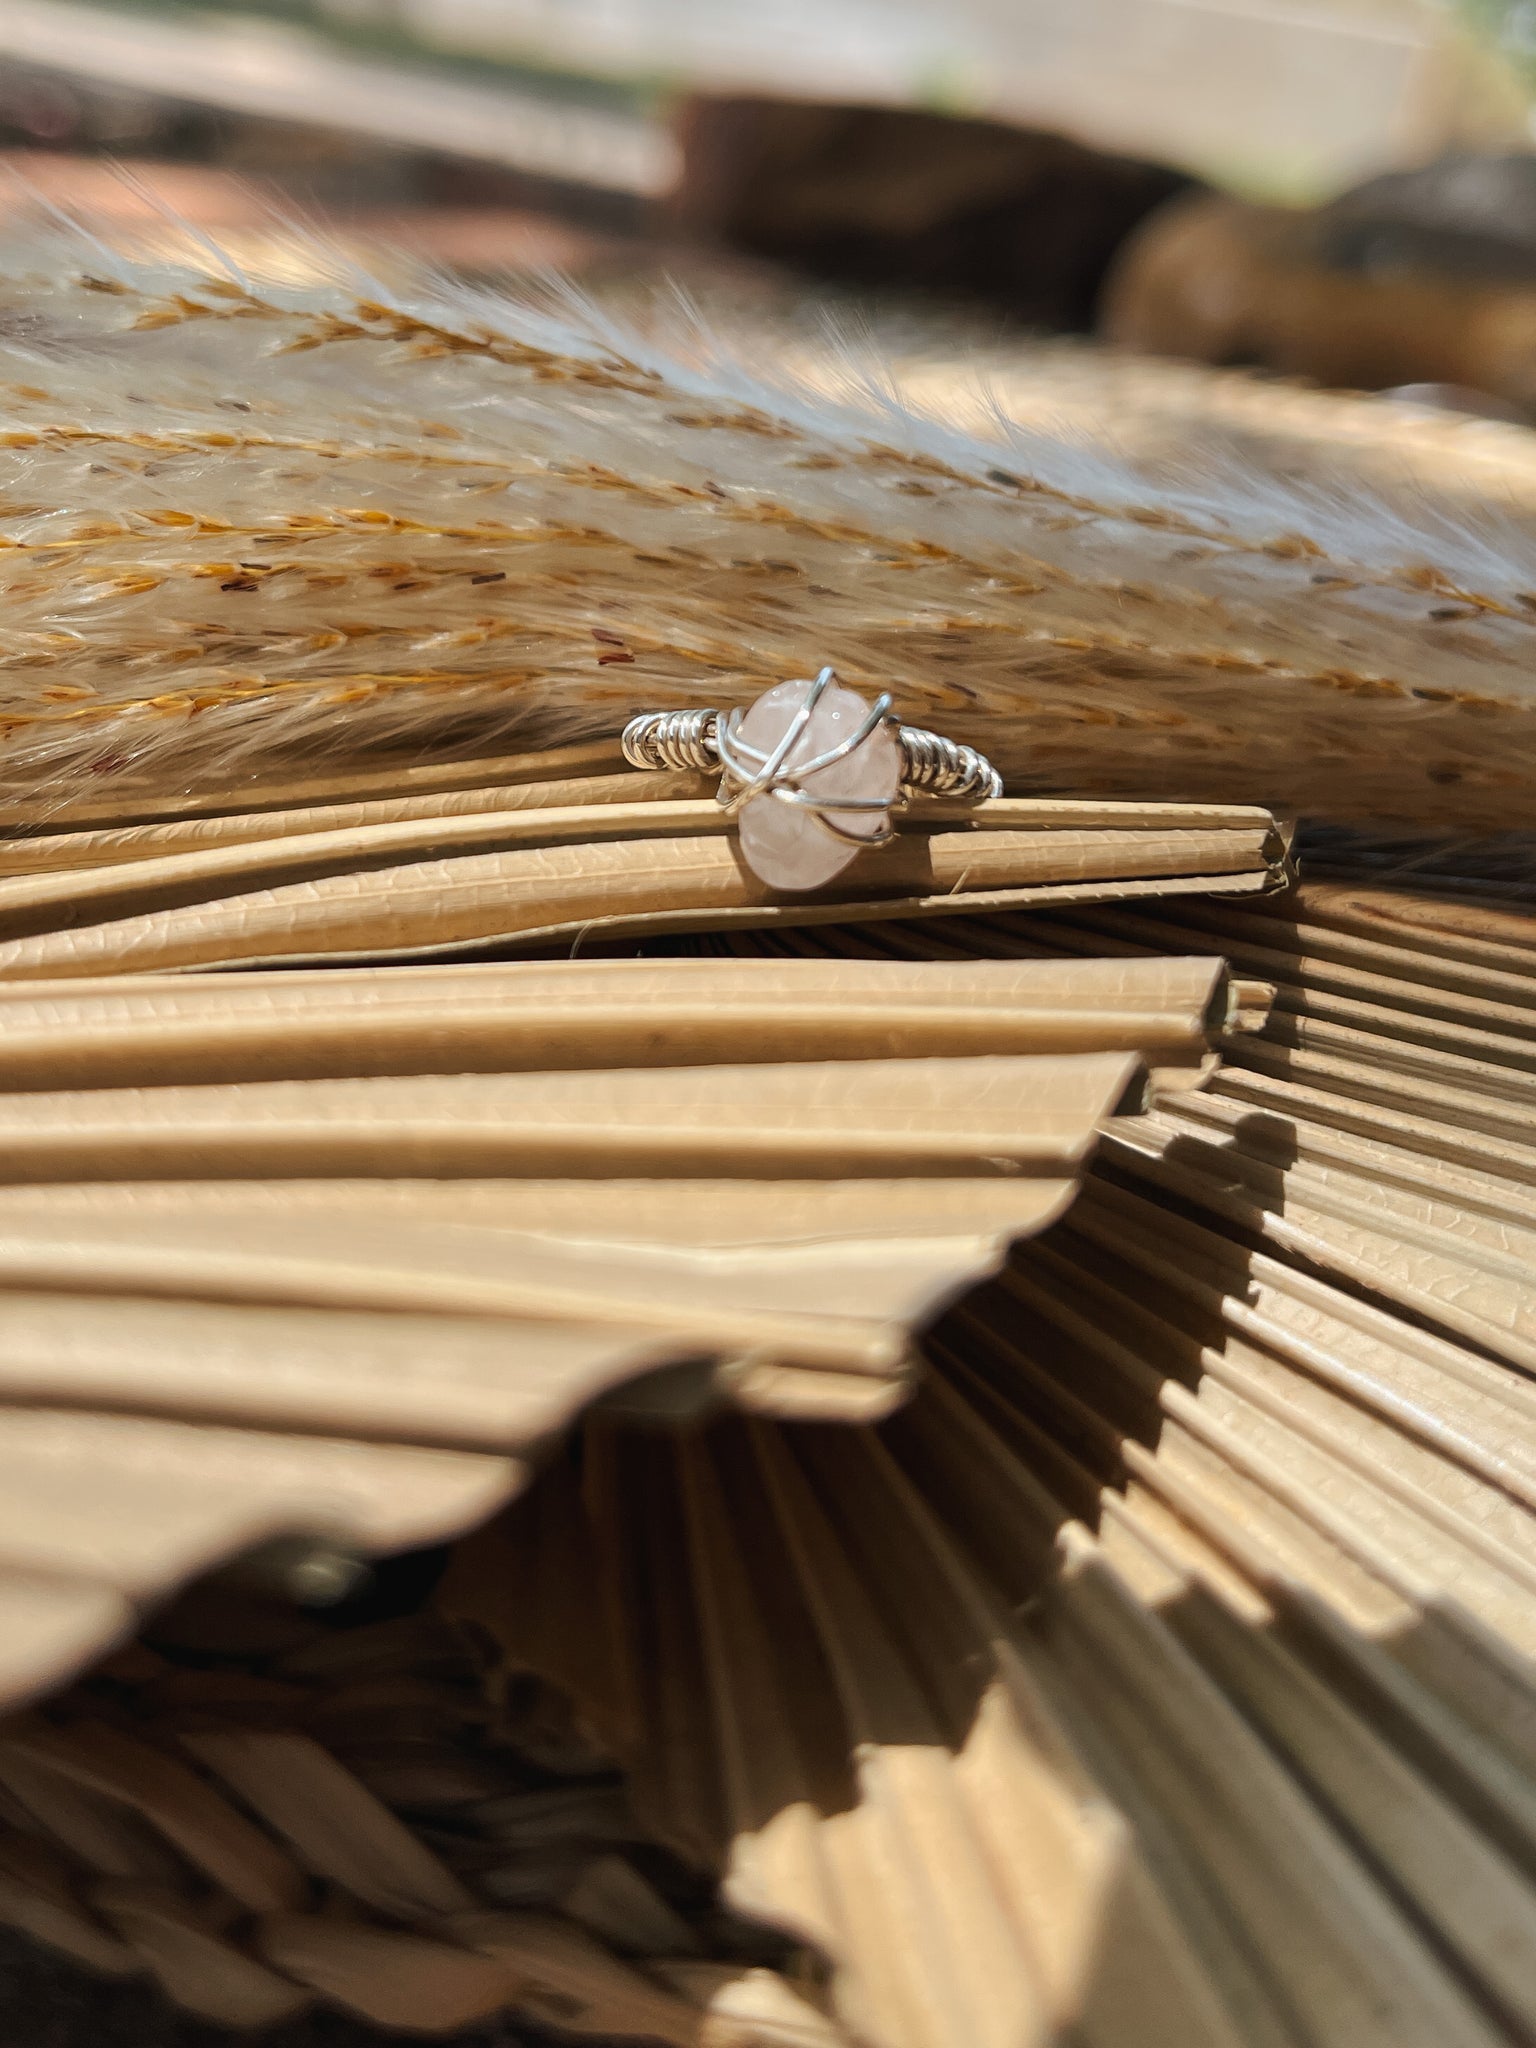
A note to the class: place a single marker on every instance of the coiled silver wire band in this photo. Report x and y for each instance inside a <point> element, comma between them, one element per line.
<point>704,741</point>
<point>673,739</point>
<point>935,766</point>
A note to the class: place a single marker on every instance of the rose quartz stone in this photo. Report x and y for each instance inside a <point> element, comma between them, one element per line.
<point>785,846</point>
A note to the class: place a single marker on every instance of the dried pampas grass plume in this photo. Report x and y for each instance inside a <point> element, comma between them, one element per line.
<point>245,517</point>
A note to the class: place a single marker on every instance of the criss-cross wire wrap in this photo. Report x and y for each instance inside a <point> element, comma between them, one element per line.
<point>748,772</point>
<point>931,765</point>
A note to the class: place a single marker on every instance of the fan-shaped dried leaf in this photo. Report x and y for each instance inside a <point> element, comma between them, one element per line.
<point>248,1307</point>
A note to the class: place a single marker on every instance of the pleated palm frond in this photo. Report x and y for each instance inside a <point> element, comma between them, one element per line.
<point>244,517</point>
<point>524,853</point>
<point>1162,1673</point>
<point>1381,1124</point>
<point>339,1254</point>
<point>1158,1674</point>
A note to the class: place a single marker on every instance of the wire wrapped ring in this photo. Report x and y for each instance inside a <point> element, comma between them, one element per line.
<point>931,764</point>
<point>840,765</point>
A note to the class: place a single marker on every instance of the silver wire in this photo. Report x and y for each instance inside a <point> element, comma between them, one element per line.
<point>704,740</point>
<point>672,739</point>
<point>749,772</point>
<point>935,766</point>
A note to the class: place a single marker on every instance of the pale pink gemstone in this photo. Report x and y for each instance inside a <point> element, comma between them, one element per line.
<point>788,847</point>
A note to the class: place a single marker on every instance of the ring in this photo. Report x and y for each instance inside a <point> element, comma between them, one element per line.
<point>812,772</point>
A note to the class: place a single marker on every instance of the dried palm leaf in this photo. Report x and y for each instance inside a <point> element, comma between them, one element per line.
<point>1116,1687</point>
<point>244,516</point>
<point>1212,1529</point>
<point>335,1255</point>
<point>1209,1527</point>
<point>229,1839</point>
<point>515,859</point>
<point>1380,1124</point>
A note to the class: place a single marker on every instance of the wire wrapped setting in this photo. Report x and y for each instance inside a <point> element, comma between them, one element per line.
<point>748,771</point>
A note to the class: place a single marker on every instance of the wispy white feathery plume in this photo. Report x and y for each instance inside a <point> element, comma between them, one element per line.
<point>258,510</point>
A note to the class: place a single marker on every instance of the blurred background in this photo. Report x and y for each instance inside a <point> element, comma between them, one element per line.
<point>1337,191</point>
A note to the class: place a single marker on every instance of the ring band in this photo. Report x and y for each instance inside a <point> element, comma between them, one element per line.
<point>817,750</point>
